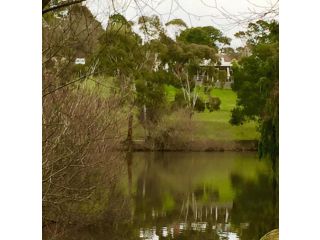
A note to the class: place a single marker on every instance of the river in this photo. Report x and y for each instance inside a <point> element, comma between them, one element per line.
<point>198,195</point>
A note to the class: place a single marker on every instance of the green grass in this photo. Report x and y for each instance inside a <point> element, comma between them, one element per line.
<point>100,85</point>
<point>170,92</point>
<point>215,125</point>
<point>208,125</point>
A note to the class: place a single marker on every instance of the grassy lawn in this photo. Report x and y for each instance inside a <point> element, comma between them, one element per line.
<point>208,125</point>
<point>215,125</point>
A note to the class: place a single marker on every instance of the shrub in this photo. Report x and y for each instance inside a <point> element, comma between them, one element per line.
<point>222,77</point>
<point>179,101</point>
<point>172,132</point>
<point>237,117</point>
<point>200,106</point>
<point>207,89</point>
<point>213,104</point>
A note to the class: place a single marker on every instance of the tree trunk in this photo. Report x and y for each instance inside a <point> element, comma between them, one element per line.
<point>129,137</point>
<point>145,122</point>
<point>129,168</point>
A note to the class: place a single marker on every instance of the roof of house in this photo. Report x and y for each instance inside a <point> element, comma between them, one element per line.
<point>227,58</point>
<point>225,63</point>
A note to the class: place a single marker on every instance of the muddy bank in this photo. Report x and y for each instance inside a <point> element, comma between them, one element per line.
<point>199,146</point>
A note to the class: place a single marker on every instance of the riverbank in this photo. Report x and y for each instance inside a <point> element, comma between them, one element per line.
<point>199,146</point>
<point>213,125</point>
<point>211,132</point>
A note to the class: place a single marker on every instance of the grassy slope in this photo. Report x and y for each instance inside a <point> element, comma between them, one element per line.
<point>209,126</point>
<point>215,125</point>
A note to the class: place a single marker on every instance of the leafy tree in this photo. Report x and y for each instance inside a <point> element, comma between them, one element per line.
<point>184,60</point>
<point>256,80</point>
<point>179,100</point>
<point>234,53</point>
<point>118,54</point>
<point>222,77</point>
<point>134,67</point>
<point>150,97</point>
<point>177,22</point>
<point>176,26</point>
<point>150,26</point>
<point>209,36</point>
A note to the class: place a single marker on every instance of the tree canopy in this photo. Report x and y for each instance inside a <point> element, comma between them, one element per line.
<point>256,80</point>
<point>208,35</point>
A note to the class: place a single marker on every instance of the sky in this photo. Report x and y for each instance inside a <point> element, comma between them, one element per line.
<point>230,16</point>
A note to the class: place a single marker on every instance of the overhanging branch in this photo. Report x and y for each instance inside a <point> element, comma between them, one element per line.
<point>61,5</point>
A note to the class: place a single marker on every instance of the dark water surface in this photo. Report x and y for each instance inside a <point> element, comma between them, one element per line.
<point>195,196</point>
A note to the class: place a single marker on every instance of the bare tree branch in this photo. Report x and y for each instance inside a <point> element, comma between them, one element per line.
<point>62,5</point>
<point>45,3</point>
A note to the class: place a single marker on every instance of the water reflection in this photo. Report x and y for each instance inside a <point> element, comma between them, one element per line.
<point>257,202</point>
<point>207,196</point>
<point>202,196</point>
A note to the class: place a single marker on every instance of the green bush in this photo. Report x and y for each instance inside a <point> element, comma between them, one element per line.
<point>200,106</point>
<point>179,101</point>
<point>213,104</point>
<point>172,132</point>
<point>207,89</point>
<point>237,117</point>
<point>222,78</point>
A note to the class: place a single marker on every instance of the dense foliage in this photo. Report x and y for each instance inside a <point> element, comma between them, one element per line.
<point>209,36</point>
<point>256,80</point>
<point>213,103</point>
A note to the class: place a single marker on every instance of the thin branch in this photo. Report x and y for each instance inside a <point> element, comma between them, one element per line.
<point>64,85</point>
<point>45,3</point>
<point>62,5</point>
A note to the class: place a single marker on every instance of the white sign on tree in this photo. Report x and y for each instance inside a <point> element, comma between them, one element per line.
<point>80,61</point>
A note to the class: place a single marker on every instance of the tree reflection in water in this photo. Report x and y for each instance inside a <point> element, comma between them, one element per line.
<point>191,196</point>
<point>255,202</point>
<point>196,211</point>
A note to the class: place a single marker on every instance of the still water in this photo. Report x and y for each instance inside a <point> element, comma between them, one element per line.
<point>178,195</point>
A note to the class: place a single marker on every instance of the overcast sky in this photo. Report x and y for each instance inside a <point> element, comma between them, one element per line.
<point>215,13</point>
